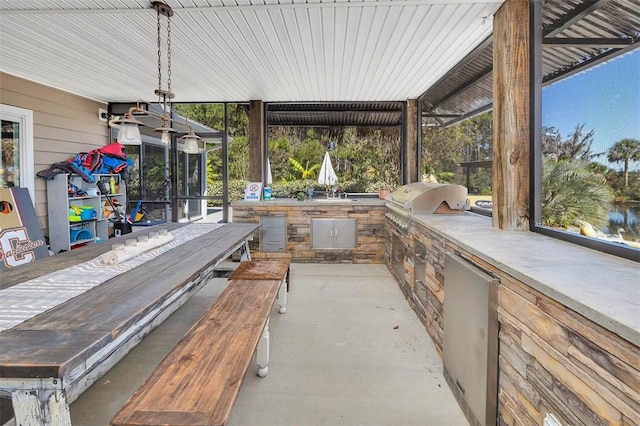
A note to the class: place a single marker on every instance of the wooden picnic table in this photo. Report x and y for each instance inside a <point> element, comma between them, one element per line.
<point>49,360</point>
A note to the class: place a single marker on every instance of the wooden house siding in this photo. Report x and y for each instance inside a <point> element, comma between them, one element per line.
<point>63,125</point>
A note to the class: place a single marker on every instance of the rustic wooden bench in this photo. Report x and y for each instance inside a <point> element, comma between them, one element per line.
<point>47,361</point>
<point>267,270</point>
<point>198,382</point>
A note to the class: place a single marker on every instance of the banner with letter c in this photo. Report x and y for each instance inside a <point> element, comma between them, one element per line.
<point>21,238</point>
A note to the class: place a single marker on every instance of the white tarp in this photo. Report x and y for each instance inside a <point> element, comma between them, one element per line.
<point>327,176</point>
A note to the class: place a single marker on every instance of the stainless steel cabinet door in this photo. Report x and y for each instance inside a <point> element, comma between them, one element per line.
<point>333,233</point>
<point>470,343</point>
<point>273,236</point>
<point>344,233</point>
<point>321,233</point>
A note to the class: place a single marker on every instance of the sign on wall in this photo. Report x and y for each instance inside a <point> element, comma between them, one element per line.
<point>21,238</point>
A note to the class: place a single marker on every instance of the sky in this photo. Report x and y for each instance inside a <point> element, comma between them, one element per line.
<point>605,98</point>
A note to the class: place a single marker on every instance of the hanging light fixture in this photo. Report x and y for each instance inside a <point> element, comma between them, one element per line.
<point>166,131</point>
<point>165,96</point>
<point>190,141</point>
<point>129,133</point>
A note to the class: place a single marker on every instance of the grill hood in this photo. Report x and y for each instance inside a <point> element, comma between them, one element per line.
<point>423,197</point>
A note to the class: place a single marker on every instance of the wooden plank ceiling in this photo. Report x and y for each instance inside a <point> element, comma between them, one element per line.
<point>319,62</point>
<point>236,50</point>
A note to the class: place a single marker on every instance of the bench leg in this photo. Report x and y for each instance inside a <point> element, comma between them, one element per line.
<point>263,352</point>
<point>282,297</point>
<point>245,254</point>
<point>38,406</point>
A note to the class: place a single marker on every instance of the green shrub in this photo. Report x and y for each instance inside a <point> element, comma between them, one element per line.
<point>290,189</point>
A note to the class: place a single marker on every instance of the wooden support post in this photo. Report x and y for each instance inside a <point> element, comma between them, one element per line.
<point>256,139</point>
<point>411,172</point>
<point>511,119</point>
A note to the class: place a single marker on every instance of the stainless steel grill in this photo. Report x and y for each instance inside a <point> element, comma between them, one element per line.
<point>422,197</point>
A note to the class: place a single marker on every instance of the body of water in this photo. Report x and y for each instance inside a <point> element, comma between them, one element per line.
<point>625,217</point>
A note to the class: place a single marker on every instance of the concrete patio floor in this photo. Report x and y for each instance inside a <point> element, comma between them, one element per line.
<point>349,351</point>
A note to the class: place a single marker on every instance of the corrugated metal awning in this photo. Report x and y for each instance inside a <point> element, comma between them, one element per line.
<point>577,35</point>
<point>350,114</point>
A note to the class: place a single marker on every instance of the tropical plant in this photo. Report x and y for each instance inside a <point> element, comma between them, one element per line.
<point>445,177</point>
<point>571,192</point>
<point>624,151</point>
<point>304,172</point>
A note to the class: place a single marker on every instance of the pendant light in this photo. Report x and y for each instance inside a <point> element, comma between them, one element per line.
<point>164,96</point>
<point>166,131</point>
<point>129,133</point>
<point>190,141</point>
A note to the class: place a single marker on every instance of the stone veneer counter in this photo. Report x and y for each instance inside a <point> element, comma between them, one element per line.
<point>317,202</point>
<point>568,321</point>
<point>601,287</point>
<point>368,214</point>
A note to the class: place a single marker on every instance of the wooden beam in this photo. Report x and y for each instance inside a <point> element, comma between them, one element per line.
<point>511,130</point>
<point>411,142</point>
<point>256,139</point>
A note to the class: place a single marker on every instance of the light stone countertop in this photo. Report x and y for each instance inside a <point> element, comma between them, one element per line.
<point>317,202</point>
<point>602,287</point>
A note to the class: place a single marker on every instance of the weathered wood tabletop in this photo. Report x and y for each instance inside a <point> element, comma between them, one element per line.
<point>55,342</point>
<point>67,259</point>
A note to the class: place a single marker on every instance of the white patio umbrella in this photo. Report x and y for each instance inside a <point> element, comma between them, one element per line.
<point>327,176</point>
<point>269,177</point>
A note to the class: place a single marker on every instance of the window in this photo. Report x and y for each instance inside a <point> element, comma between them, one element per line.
<point>17,160</point>
<point>462,154</point>
<point>587,151</point>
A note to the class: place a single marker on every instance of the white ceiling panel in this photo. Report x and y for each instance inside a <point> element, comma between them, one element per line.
<point>237,50</point>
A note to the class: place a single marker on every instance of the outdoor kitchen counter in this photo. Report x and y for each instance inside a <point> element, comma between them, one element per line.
<point>317,202</point>
<point>603,288</point>
<point>293,229</point>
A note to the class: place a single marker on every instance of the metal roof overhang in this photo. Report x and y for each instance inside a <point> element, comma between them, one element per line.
<point>576,35</point>
<point>346,114</point>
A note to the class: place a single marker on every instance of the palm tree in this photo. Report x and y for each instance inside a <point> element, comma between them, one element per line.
<point>571,192</point>
<point>625,150</point>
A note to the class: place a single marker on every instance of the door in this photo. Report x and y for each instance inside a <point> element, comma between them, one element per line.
<point>344,233</point>
<point>273,238</point>
<point>333,233</point>
<point>17,160</point>
<point>470,343</point>
<point>321,233</point>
